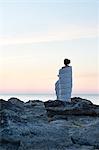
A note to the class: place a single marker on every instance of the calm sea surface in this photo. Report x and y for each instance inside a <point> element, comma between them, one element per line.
<point>44,97</point>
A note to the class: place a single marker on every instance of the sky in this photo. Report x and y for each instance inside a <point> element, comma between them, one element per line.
<point>36,36</point>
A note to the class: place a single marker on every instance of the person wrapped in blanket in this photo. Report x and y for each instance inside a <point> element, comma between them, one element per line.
<point>63,86</point>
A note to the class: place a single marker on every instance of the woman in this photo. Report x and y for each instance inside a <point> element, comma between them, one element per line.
<point>63,86</point>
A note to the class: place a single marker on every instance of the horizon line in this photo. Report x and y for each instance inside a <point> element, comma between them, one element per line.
<point>80,93</point>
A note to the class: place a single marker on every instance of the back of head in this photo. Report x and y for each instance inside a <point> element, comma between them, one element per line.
<point>66,62</point>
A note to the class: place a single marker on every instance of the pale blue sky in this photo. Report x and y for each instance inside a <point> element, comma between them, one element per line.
<point>30,17</point>
<point>35,36</point>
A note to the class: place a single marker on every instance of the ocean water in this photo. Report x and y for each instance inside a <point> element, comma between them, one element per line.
<point>44,97</point>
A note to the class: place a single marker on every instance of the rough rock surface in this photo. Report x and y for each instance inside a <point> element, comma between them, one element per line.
<point>51,125</point>
<point>76,107</point>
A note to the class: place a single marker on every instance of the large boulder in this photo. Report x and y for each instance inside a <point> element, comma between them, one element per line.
<point>29,129</point>
<point>53,125</point>
<point>77,106</point>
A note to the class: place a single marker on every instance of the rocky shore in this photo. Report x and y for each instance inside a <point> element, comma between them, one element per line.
<point>51,125</point>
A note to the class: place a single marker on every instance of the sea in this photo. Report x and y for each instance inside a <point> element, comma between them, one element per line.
<point>45,97</point>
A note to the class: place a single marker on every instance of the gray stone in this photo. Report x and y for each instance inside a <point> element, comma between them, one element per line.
<point>76,107</point>
<point>52,125</point>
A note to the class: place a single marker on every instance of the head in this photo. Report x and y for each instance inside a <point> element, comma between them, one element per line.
<point>66,62</point>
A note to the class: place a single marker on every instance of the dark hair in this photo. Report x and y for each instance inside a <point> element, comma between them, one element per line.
<point>66,62</point>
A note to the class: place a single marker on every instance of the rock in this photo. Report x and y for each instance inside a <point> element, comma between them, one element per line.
<point>47,136</point>
<point>5,104</point>
<point>51,125</point>
<point>89,135</point>
<point>78,99</point>
<point>76,107</point>
<point>35,112</point>
<point>56,103</point>
<point>16,102</point>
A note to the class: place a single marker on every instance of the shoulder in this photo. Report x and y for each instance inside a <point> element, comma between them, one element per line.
<point>65,69</point>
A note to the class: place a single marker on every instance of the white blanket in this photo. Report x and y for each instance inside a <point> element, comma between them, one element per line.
<point>63,86</point>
